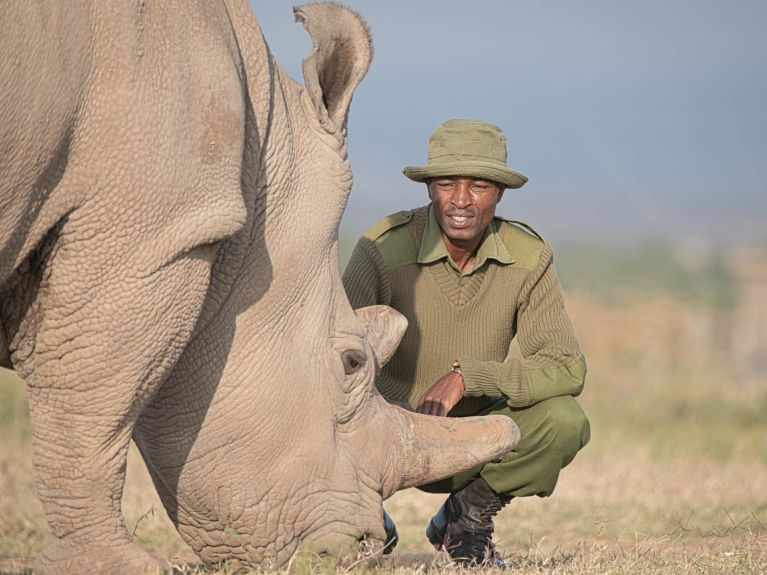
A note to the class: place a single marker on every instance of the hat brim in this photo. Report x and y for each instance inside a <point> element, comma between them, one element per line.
<point>484,170</point>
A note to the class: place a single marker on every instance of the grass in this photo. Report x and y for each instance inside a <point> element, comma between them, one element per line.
<point>672,482</point>
<point>654,492</point>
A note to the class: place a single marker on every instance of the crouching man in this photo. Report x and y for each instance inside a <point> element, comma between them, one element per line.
<point>488,331</point>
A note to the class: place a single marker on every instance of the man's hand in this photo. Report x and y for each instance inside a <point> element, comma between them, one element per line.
<point>443,395</point>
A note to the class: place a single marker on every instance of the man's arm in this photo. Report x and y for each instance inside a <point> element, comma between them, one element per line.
<point>551,361</point>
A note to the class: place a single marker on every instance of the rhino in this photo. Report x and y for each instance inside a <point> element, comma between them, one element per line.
<point>169,209</point>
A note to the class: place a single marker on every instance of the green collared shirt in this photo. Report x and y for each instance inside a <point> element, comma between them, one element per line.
<point>433,248</point>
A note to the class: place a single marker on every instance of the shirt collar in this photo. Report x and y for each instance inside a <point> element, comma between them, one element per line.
<point>433,248</point>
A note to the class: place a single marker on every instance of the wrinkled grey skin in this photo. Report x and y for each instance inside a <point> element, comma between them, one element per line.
<point>169,207</point>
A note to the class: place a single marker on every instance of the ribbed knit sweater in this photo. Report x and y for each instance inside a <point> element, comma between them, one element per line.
<point>471,317</point>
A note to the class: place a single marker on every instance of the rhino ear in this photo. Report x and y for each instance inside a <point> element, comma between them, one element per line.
<point>385,327</point>
<point>341,52</point>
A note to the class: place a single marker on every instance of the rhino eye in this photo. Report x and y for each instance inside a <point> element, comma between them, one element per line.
<point>353,360</point>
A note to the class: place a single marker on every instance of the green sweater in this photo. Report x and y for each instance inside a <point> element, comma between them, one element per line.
<point>511,294</point>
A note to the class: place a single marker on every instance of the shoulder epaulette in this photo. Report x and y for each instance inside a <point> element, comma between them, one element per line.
<point>527,227</point>
<point>522,242</point>
<point>393,239</point>
<point>388,223</point>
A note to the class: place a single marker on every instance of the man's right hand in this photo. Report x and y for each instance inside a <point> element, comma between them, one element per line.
<point>443,395</point>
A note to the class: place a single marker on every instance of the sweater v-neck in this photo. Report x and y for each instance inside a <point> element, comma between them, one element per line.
<point>458,288</point>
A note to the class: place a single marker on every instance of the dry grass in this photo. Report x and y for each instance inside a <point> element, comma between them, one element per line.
<point>674,480</point>
<point>618,509</point>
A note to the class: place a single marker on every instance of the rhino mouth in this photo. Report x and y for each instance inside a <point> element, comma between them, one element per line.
<point>342,547</point>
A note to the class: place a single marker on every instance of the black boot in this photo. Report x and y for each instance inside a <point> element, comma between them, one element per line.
<point>392,537</point>
<point>464,525</point>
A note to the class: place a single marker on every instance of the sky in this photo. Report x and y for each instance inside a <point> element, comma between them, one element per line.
<point>635,121</point>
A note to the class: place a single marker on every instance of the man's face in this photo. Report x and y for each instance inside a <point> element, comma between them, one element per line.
<point>463,207</point>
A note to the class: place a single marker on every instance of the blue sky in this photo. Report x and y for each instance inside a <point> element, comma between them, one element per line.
<point>633,120</point>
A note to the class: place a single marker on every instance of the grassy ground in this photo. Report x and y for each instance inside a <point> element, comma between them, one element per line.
<point>674,479</point>
<point>654,492</point>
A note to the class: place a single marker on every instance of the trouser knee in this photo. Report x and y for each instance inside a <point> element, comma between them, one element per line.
<point>553,431</point>
<point>567,429</point>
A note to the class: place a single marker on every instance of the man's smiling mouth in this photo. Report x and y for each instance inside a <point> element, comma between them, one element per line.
<point>459,220</point>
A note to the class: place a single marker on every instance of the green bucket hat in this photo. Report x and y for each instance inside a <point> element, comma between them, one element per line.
<point>467,148</point>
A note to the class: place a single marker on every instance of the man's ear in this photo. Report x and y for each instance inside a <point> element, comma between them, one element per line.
<point>500,194</point>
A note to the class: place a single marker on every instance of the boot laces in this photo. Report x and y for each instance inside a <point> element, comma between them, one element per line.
<point>482,517</point>
<point>475,539</point>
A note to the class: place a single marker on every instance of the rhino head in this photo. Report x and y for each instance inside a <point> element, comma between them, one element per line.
<point>269,434</point>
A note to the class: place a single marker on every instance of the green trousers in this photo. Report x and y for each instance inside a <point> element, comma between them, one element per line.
<point>553,431</point>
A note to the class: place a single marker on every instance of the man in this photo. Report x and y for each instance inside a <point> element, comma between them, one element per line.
<point>488,332</point>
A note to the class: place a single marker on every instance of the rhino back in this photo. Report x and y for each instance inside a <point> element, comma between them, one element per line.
<point>119,115</point>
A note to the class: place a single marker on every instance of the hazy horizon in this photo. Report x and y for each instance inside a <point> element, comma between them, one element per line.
<point>641,122</point>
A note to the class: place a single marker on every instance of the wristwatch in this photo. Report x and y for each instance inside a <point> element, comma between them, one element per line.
<point>457,367</point>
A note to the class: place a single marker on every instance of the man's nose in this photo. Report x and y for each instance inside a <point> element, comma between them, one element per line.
<point>462,196</point>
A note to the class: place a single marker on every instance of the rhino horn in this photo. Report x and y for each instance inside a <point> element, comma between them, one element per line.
<point>385,327</point>
<point>433,448</point>
<point>340,57</point>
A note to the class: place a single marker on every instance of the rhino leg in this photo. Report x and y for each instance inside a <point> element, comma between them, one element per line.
<point>95,341</point>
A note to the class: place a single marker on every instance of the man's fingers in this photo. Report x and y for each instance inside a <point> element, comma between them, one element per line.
<point>429,407</point>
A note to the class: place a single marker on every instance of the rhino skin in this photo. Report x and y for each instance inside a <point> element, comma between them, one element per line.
<point>169,211</point>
